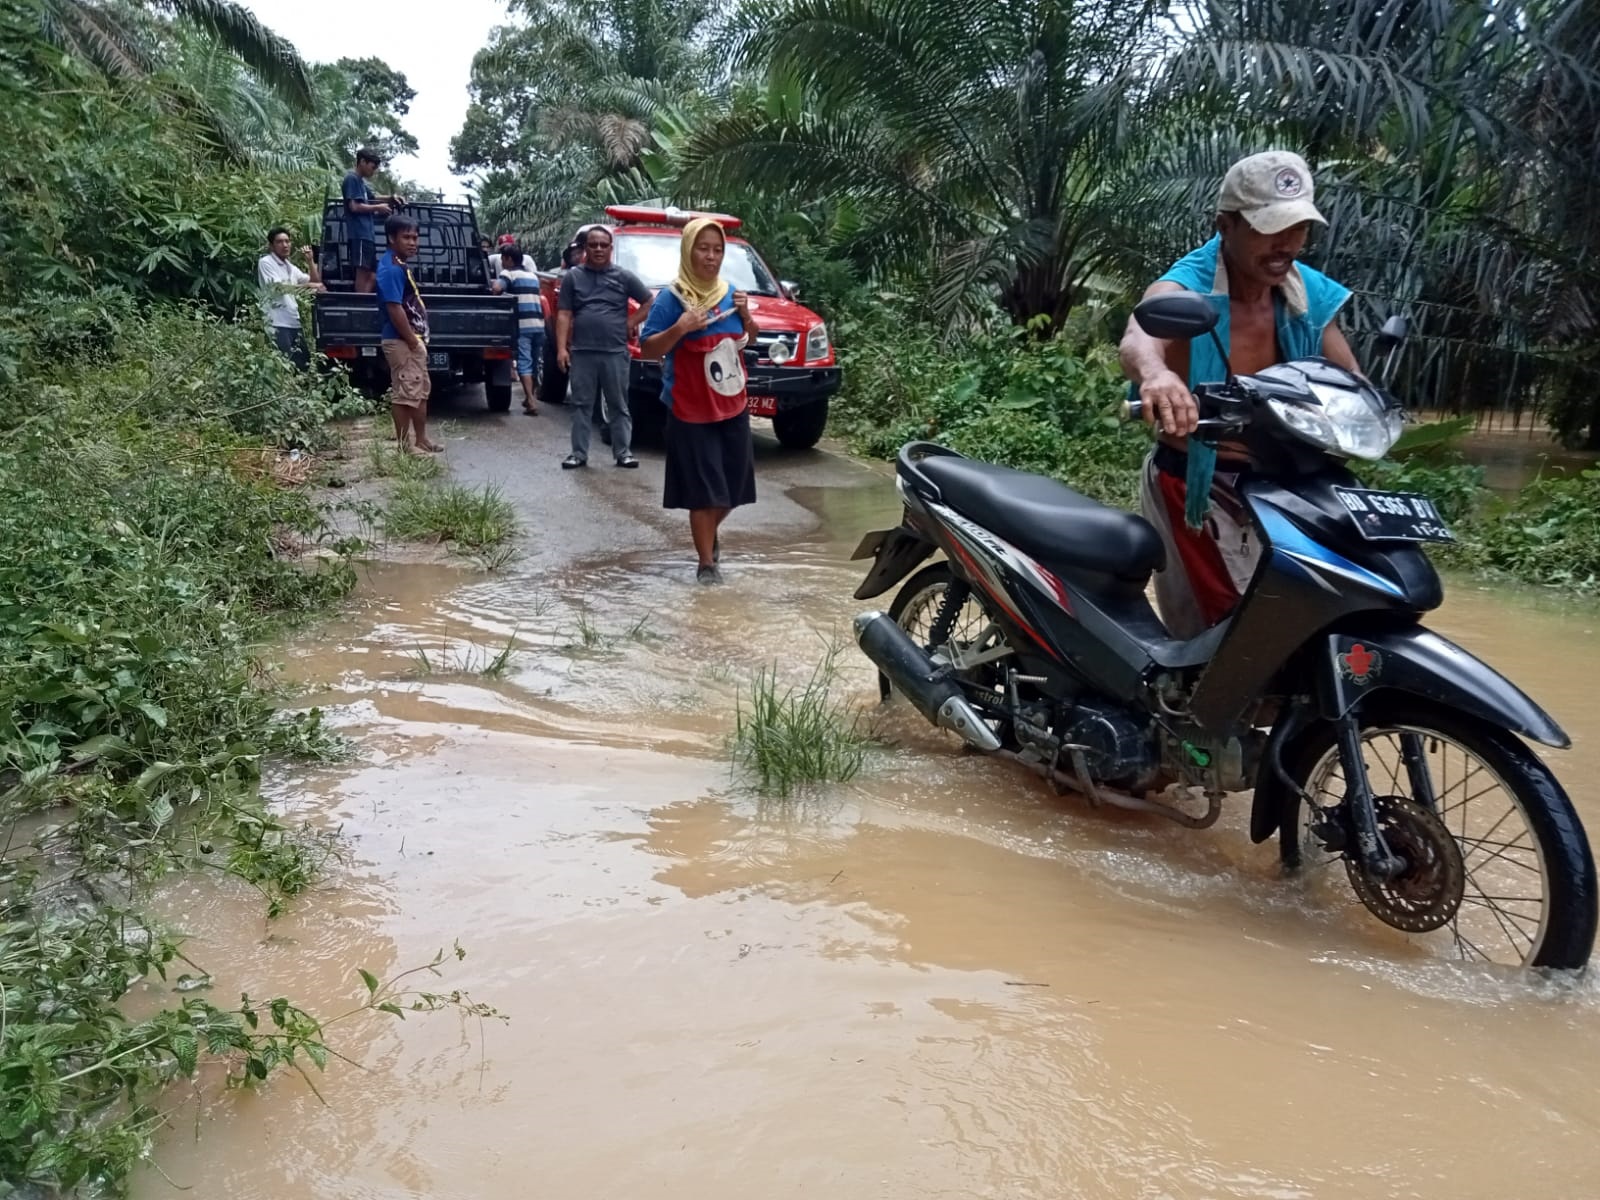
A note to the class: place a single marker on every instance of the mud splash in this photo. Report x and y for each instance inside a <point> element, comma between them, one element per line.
<point>939,981</point>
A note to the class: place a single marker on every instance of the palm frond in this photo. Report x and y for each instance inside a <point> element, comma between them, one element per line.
<point>271,57</point>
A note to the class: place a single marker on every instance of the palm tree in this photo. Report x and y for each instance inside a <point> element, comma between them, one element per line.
<point>566,107</point>
<point>1431,126</point>
<point>114,39</point>
<point>981,128</point>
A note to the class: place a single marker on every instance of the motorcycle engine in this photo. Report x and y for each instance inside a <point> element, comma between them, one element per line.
<point>1118,749</point>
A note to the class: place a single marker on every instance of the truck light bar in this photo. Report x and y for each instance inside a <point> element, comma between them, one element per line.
<point>629,214</point>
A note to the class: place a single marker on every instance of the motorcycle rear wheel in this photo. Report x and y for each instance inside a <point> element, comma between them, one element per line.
<point>1530,890</point>
<point>915,607</point>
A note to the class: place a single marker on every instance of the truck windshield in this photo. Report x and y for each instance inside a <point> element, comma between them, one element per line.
<point>653,257</point>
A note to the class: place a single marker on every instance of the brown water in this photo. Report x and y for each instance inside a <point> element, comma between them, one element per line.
<point>1511,461</point>
<point>936,981</point>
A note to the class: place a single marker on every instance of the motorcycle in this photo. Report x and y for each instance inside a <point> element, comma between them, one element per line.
<point>1366,738</point>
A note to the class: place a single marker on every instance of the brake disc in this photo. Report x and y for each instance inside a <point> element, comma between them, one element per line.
<point>1426,895</point>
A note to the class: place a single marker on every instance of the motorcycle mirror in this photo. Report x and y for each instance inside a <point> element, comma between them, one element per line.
<point>1390,337</point>
<point>1176,315</point>
<point>1392,334</point>
<point>1181,316</point>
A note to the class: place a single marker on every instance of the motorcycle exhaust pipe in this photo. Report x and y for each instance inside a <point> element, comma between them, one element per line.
<point>927,685</point>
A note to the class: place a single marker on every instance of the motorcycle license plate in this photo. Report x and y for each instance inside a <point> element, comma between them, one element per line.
<point>1394,516</point>
<point>438,360</point>
<point>763,406</point>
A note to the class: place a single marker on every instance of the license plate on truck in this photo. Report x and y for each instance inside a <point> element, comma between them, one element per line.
<point>438,360</point>
<point>763,406</point>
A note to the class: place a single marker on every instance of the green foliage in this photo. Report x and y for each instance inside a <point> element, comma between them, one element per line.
<point>1550,535</point>
<point>474,519</point>
<point>788,737</point>
<point>145,549</point>
<point>1007,397</point>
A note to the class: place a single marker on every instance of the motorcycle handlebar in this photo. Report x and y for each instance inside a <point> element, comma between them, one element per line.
<point>1133,410</point>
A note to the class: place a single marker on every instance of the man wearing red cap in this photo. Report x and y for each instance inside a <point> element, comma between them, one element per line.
<point>1272,309</point>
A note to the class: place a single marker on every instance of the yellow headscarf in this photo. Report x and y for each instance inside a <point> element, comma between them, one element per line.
<point>691,290</point>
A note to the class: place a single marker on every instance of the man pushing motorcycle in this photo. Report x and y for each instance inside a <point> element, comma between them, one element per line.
<point>1272,309</point>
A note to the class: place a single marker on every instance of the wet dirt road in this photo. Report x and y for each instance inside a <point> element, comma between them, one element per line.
<point>936,981</point>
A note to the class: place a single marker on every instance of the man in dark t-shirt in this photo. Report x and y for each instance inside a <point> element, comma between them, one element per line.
<point>592,331</point>
<point>360,206</point>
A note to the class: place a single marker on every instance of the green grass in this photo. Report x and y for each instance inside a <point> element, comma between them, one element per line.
<point>787,737</point>
<point>466,660</point>
<point>387,461</point>
<point>474,520</point>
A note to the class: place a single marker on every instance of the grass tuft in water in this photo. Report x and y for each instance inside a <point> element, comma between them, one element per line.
<point>475,519</point>
<point>466,660</point>
<point>787,737</point>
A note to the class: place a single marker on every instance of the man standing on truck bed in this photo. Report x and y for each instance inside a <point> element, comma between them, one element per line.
<point>405,337</point>
<point>592,332</point>
<point>360,206</point>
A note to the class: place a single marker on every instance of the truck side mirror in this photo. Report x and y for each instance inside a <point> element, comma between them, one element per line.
<point>791,288</point>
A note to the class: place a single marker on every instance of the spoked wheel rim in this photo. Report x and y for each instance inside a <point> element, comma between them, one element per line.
<point>1505,894</point>
<point>973,631</point>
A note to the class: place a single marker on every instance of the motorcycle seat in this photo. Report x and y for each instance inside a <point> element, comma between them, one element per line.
<point>1048,519</point>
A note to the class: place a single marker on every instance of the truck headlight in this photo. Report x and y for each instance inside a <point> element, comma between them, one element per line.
<point>817,347</point>
<point>780,352</point>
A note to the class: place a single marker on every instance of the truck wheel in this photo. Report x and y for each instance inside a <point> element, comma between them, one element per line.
<point>499,396</point>
<point>801,428</point>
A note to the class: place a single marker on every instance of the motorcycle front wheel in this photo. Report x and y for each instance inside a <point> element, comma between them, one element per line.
<point>1498,867</point>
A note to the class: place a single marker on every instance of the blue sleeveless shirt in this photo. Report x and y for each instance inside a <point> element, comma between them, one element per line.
<point>1305,305</point>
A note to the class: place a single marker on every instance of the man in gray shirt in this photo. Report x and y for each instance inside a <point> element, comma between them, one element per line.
<point>592,332</point>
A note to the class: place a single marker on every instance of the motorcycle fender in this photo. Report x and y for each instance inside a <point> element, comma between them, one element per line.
<point>1420,662</point>
<point>896,553</point>
<point>1349,666</point>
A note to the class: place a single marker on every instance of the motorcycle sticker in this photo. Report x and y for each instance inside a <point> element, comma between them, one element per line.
<point>1360,665</point>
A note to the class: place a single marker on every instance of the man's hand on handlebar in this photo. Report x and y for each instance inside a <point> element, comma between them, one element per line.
<point>1169,405</point>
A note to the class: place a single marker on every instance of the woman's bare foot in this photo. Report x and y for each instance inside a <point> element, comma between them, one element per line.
<point>430,447</point>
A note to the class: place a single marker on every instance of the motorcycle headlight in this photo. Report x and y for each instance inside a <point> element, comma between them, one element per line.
<point>817,343</point>
<point>1349,421</point>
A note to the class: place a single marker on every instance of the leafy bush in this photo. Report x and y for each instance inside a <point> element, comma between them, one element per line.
<point>145,550</point>
<point>1550,535</point>
<point>1047,406</point>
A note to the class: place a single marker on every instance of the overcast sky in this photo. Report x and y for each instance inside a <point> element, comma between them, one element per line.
<point>432,44</point>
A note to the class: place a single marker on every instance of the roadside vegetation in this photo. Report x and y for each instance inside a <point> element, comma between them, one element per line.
<point>478,521</point>
<point>154,534</point>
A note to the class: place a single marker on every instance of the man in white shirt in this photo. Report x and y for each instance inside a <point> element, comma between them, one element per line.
<point>279,280</point>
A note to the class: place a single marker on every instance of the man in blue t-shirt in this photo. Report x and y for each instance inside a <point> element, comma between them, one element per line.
<point>1271,309</point>
<point>360,206</point>
<point>405,337</point>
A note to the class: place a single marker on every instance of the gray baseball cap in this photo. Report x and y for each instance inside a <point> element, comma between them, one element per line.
<point>1272,191</point>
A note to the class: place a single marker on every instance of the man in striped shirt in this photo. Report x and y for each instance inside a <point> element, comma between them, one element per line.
<point>520,277</point>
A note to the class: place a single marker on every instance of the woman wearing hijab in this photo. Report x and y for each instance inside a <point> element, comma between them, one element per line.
<point>698,326</point>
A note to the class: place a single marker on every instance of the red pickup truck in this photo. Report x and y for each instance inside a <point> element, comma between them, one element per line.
<point>796,370</point>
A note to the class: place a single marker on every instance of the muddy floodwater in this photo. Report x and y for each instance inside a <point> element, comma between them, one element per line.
<point>938,980</point>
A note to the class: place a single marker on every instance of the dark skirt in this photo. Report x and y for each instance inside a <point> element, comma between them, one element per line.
<point>710,465</point>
